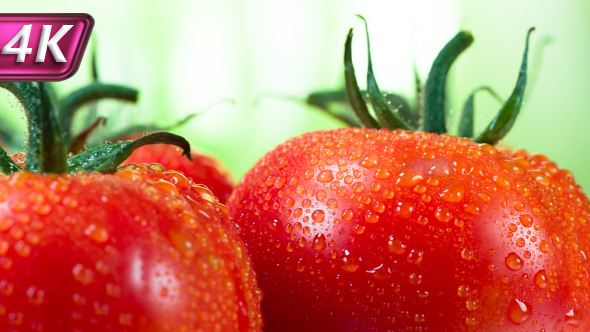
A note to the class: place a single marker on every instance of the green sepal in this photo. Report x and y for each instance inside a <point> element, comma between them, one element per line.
<point>466,122</point>
<point>504,120</point>
<point>88,94</point>
<point>434,90</point>
<point>106,158</point>
<point>385,115</point>
<point>353,92</point>
<point>7,165</point>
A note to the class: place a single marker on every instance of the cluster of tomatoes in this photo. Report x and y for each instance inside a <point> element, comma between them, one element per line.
<point>384,227</point>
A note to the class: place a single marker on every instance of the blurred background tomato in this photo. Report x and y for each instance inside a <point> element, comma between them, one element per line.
<point>187,54</point>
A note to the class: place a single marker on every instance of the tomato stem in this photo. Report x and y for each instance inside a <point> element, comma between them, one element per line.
<point>434,91</point>
<point>466,123</point>
<point>88,94</point>
<point>504,120</point>
<point>54,152</point>
<point>353,92</point>
<point>386,116</point>
<point>45,143</point>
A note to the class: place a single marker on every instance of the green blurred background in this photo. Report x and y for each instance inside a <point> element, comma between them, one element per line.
<point>185,55</point>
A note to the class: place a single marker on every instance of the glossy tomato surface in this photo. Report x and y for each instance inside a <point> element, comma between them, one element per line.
<point>378,230</point>
<point>140,250</point>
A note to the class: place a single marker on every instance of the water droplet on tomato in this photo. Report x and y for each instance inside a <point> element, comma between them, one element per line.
<point>556,240</point>
<point>541,280</point>
<point>370,160</point>
<point>97,233</point>
<point>182,242</point>
<point>514,262</point>
<point>35,296</point>
<point>453,194</point>
<point>407,179</point>
<point>325,176</point>
<point>415,279</point>
<point>396,246</point>
<point>463,291</point>
<point>318,216</point>
<point>544,246</point>
<point>519,311</point>
<point>404,209</point>
<point>573,317</point>
<point>350,264</point>
<point>319,242</point>
<point>83,274</point>
<point>359,229</point>
<point>381,174</point>
<point>347,215</point>
<point>526,220</point>
<point>443,214</point>
<point>467,254</point>
<point>415,256</point>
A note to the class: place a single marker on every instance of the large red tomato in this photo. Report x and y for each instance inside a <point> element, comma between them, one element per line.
<point>392,230</point>
<point>135,249</point>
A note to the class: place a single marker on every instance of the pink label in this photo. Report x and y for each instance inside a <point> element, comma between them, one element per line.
<point>42,47</point>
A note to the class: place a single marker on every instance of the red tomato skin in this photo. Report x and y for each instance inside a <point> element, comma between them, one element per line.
<point>377,230</point>
<point>140,250</point>
<point>203,169</point>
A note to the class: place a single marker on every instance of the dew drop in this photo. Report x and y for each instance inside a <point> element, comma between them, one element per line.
<point>541,280</point>
<point>319,242</point>
<point>520,242</point>
<point>573,317</point>
<point>347,215</point>
<point>415,257</point>
<point>404,209</point>
<point>395,246</point>
<point>318,216</point>
<point>443,214</point>
<point>526,220</point>
<point>83,274</point>
<point>182,243</point>
<point>544,246</point>
<point>370,160</point>
<point>415,279</point>
<point>300,265</point>
<point>454,194</point>
<point>350,264</point>
<point>382,174</point>
<point>514,262</point>
<point>556,241</point>
<point>467,254</point>
<point>519,311</point>
<point>325,176</point>
<point>407,179</point>
<point>371,217</point>
<point>36,296</point>
<point>463,290</point>
<point>97,233</point>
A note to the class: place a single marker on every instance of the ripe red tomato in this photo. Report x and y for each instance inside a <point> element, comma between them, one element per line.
<point>202,169</point>
<point>367,230</point>
<point>140,250</point>
<point>393,230</point>
<point>86,245</point>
